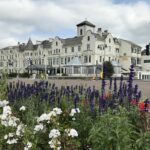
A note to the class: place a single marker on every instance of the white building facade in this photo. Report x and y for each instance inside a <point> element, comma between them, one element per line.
<point>91,46</point>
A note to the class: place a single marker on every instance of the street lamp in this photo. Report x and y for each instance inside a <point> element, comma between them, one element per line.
<point>45,65</point>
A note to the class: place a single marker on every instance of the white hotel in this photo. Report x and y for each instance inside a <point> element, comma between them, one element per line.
<point>79,55</point>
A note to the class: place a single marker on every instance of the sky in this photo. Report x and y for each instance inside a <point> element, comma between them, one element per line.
<point>44,19</point>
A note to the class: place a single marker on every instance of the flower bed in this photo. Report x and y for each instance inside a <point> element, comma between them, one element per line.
<point>41,116</point>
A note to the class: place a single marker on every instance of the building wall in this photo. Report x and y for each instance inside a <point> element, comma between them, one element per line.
<point>92,51</point>
<point>145,63</point>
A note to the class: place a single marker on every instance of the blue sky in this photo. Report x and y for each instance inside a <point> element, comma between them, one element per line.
<point>43,19</point>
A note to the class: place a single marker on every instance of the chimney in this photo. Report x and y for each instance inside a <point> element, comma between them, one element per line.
<point>99,31</point>
<point>148,49</point>
<point>106,31</point>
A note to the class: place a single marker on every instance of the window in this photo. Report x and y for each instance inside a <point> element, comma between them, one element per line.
<point>117,50</point>
<point>65,50</point>
<point>132,50</point>
<point>146,61</point>
<point>88,46</point>
<point>100,59</point>
<point>72,49</point>
<point>56,43</point>
<point>138,61</point>
<point>62,61</point>
<point>109,40</point>
<point>65,60</point>
<point>85,59</point>
<point>68,59</point>
<point>57,61</point>
<point>81,32</point>
<point>79,48</point>
<point>50,62</point>
<point>88,38</point>
<point>89,58</point>
<point>53,61</point>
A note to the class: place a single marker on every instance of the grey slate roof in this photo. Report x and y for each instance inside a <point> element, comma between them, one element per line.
<point>46,44</point>
<point>29,45</point>
<point>72,41</point>
<point>85,23</point>
<point>99,37</point>
<point>133,44</point>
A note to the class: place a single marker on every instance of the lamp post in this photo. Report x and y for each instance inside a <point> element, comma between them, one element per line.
<point>45,65</point>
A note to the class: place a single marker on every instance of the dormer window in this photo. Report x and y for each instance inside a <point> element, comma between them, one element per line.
<point>56,43</point>
<point>88,38</point>
<point>81,32</point>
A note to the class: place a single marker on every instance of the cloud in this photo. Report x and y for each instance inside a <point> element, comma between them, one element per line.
<point>20,19</point>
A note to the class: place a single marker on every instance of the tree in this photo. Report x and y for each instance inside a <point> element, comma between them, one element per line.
<point>109,69</point>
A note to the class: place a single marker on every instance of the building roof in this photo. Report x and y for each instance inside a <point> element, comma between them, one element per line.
<point>132,44</point>
<point>72,41</point>
<point>74,62</point>
<point>85,23</point>
<point>29,45</point>
<point>46,44</point>
<point>99,37</point>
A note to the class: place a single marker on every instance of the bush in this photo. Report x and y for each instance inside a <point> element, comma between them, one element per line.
<point>24,75</point>
<point>12,75</point>
<point>109,69</point>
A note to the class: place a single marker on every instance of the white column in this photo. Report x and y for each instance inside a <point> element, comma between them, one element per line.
<point>81,70</point>
<point>72,70</point>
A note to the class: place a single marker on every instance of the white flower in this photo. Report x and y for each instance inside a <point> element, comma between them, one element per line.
<point>58,111</point>
<point>54,133</point>
<point>74,111</point>
<point>20,129</point>
<point>6,137</point>
<point>12,121</point>
<point>7,110</point>
<point>26,148</point>
<point>52,114</point>
<point>73,119</point>
<point>3,103</point>
<point>12,141</point>
<point>55,144</point>
<point>43,117</point>
<point>10,135</point>
<point>39,127</point>
<point>29,144</point>
<point>22,108</point>
<point>72,132</point>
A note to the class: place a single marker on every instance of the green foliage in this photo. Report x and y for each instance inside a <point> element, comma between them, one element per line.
<point>109,69</point>
<point>12,75</point>
<point>24,75</point>
<point>3,87</point>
